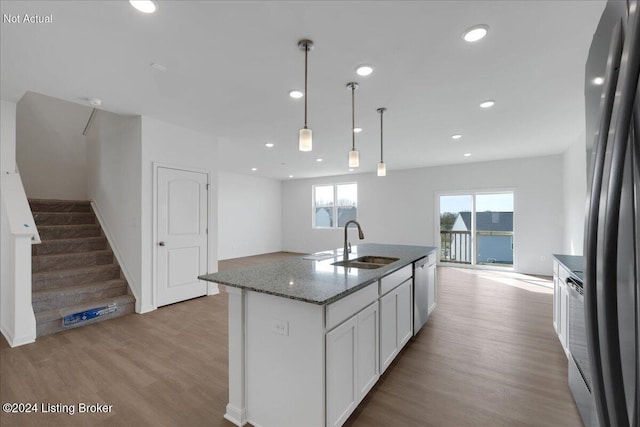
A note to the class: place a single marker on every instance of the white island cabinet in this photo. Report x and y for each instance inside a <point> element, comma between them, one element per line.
<point>396,308</point>
<point>308,340</point>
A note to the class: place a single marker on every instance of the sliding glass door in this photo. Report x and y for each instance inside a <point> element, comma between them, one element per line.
<point>477,228</point>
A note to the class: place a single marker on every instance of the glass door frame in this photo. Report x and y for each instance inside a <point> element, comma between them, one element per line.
<point>473,194</point>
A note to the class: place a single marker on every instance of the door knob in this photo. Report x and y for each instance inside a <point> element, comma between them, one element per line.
<point>160,243</point>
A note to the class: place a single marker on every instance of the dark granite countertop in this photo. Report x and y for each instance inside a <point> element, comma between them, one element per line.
<point>315,280</point>
<point>573,263</point>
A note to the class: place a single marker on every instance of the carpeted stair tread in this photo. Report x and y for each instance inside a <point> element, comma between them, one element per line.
<point>56,298</point>
<point>40,205</point>
<point>50,321</point>
<point>55,232</point>
<point>71,245</point>
<point>63,218</point>
<point>69,261</point>
<point>74,276</point>
<point>47,293</point>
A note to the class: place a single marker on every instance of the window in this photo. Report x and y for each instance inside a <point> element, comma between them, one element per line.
<point>477,228</point>
<point>334,205</point>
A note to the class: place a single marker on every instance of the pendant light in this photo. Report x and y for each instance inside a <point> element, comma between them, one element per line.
<point>354,155</point>
<point>382,168</point>
<point>305,138</point>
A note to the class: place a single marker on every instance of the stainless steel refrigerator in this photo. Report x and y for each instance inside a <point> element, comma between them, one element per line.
<point>612,225</point>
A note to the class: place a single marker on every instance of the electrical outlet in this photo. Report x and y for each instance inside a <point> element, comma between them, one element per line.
<point>280,327</point>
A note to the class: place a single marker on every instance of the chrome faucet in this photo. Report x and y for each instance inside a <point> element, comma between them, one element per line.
<point>347,246</point>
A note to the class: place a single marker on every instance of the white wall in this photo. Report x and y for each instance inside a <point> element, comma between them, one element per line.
<point>51,150</point>
<point>114,157</point>
<point>399,208</point>
<point>176,146</point>
<point>574,166</point>
<point>249,215</point>
<point>7,136</point>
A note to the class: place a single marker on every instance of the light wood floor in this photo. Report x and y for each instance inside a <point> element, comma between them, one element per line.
<point>487,357</point>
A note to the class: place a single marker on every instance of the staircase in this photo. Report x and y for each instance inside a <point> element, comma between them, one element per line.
<point>76,278</point>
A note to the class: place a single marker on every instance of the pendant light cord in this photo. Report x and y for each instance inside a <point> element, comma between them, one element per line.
<point>353,117</point>
<point>306,52</point>
<point>381,160</point>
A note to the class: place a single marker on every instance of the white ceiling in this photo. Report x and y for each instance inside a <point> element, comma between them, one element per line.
<point>231,65</point>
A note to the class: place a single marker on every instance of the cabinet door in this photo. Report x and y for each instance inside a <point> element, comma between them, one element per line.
<point>367,363</point>
<point>388,329</point>
<point>556,303</point>
<point>342,388</point>
<point>432,292</point>
<point>404,310</point>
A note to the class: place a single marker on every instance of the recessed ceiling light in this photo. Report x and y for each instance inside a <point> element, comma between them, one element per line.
<point>254,169</point>
<point>467,154</point>
<point>598,80</point>
<point>144,6</point>
<point>351,170</point>
<point>456,136</point>
<point>269,145</point>
<point>476,33</point>
<point>94,102</point>
<point>487,104</point>
<point>364,70</point>
<point>357,130</point>
<point>290,176</point>
<point>296,94</point>
<point>318,160</point>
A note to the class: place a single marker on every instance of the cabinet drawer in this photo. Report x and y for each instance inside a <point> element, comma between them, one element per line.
<point>346,307</point>
<point>394,279</point>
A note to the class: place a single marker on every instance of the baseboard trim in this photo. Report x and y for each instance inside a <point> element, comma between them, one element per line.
<point>144,308</point>
<point>16,341</point>
<point>235,415</point>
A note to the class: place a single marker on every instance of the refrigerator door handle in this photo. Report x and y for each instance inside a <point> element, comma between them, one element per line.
<point>591,224</point>
<point>610,342</point>
<point>636,166</point>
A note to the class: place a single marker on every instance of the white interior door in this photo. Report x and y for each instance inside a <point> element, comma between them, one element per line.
<point>181,233</point>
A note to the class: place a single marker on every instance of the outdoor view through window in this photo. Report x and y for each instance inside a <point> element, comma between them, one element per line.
<point>477,228</point>
<point>334,205</point>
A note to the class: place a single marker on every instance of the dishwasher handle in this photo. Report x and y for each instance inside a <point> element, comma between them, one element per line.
<point>422,262</point>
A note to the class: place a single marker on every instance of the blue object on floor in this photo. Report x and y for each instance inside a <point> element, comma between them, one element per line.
<point>83,316</point>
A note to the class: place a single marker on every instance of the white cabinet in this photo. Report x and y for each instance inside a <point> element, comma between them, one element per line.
<point>561,304</point>
<point>396,322</point>
<point>352,363</point>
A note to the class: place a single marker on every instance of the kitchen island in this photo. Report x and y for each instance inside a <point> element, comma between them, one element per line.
<point>308,339</point>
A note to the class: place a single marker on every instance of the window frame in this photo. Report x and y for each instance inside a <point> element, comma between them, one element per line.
<point>334,206</point>
<point>473,193</point>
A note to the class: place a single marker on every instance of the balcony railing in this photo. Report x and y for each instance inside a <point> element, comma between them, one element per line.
<point>492,247</point>
<point>455,246</point>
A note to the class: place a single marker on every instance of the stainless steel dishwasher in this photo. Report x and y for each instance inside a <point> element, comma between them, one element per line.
<point>420,293</point>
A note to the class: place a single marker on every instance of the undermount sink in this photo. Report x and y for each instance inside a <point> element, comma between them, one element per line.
<point>366,262</point>
<point>376,259</point>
